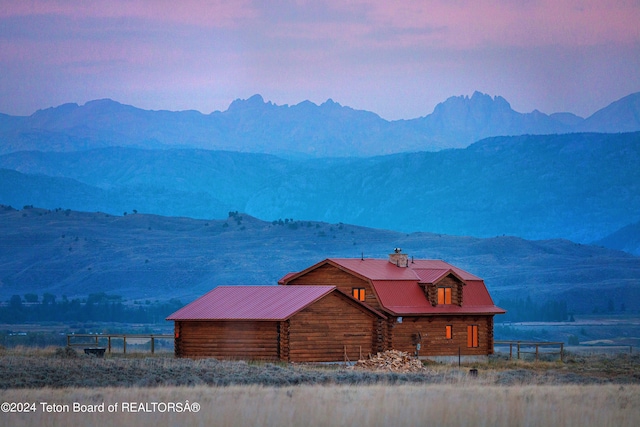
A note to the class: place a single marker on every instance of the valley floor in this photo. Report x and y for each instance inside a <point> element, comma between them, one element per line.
<point>59,386</point>
<point>61,367</point>
<point>334,405</point>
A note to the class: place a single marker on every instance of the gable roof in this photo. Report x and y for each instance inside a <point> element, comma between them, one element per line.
<point>380,269</point>
<point>263,303</point>
<point>398,288</point>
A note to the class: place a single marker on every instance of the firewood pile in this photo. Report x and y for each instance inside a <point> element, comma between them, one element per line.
<point>391,360</point>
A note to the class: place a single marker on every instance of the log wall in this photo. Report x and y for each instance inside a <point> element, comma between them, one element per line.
<point>228,339</point>
<point>331,326</point>
<point>433,333</point>
<point>328,275</point>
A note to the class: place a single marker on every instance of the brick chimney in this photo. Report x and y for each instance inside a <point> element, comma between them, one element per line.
<point>398,258</point>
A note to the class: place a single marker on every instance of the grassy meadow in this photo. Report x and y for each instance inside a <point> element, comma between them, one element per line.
<point>379,405</point>
<point>143,389</point>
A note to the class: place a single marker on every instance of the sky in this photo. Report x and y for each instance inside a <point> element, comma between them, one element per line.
<point>397,59</point>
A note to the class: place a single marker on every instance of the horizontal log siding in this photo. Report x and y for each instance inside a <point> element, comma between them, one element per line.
<point>328,275</point>
<point>228,339</point>
<point>320,332</point>
<point>434,342</point>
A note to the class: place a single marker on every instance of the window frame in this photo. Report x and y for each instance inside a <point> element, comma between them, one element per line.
<point>473,339</point>
<point>445,295</point>
<point>359,293</point>
<point>448,332</point>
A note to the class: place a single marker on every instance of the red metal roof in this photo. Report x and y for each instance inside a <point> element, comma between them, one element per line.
<point>398,288</point>
<point>380,269</point>
<point>404,298</point>
<point>251,303</point>
<point>432,275</point>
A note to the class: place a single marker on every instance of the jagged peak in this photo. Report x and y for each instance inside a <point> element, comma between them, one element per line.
<point>69,106</point>
<point>330,103</point>
<point>254,101</point>
<point>477,100</point>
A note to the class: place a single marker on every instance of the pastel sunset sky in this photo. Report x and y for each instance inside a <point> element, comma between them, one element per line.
<point>398,59</point>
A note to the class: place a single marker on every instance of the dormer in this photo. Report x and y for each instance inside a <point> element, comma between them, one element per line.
<point>441,287</point>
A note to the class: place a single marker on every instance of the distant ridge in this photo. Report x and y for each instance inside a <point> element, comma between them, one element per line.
<point>626,239</point>
<point>301,130</point>
<point>580,186</point>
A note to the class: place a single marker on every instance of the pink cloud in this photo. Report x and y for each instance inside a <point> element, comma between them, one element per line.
<point>350,50</point>
<point>216,13</point>
<point>436,23</point>
<point>468,24</point>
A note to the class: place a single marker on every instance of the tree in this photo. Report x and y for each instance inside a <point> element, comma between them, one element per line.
<point>15,302</point>
<point>48,298</point>
<point>32,298</point>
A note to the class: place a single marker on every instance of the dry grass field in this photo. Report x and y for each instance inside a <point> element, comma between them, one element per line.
<point>141,389</point>
<point>380,405</point>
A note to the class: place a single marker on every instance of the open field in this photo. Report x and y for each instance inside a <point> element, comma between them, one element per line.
<point>61,367</point>
<point>588,330</point>
<point>58,386</point>
<point>380,405</point>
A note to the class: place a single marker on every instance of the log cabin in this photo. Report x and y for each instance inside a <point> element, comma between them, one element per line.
<point>433,309</point>
<point>342,309</point>
<point>292,324</point>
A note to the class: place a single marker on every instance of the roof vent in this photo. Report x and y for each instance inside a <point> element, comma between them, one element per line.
<point>398,258</point>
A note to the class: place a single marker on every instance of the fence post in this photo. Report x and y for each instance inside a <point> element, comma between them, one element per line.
<point>518,350</point>
<point>109,344</point>
<point>562,352</point>
<point>124,344</point>
<point>152,344</point>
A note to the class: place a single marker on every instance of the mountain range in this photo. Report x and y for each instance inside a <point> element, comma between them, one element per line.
<point>580,187</point>
<point>154,258</point>
<point>145,203</point>
<point>301,130</point>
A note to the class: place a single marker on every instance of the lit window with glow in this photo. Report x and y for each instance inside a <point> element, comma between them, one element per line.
<point>472,336</point>
<point>358,293</point>
<point>448,332</point>
<point>444,295</point>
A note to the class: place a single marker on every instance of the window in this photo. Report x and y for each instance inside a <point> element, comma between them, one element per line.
<point>472,336</point>
<point>444,295</point>
<point>358,293</point>
<point>448,332</point>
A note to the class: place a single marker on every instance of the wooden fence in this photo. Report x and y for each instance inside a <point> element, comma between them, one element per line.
<point>97,342</point>
<point>532,347</point>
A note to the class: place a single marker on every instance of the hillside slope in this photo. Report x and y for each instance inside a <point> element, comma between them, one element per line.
<point>580,187</point>
<point>626,239</point>
<point>158,258</point>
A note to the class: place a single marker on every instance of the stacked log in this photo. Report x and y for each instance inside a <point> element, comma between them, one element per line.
<point>392,361</point>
